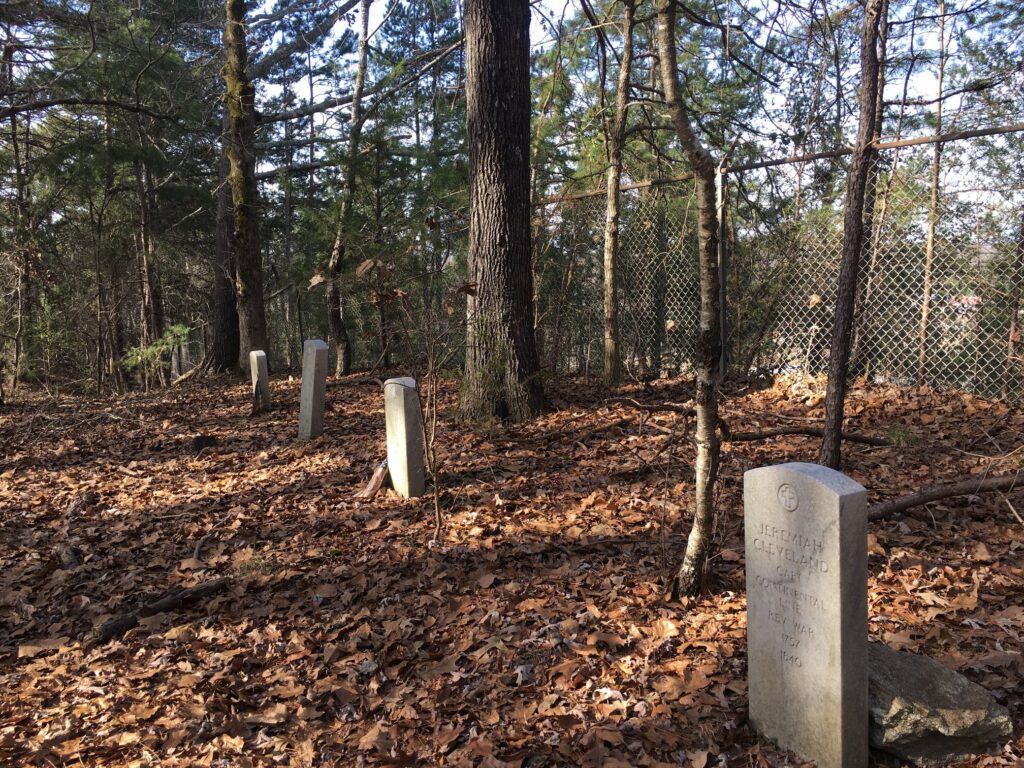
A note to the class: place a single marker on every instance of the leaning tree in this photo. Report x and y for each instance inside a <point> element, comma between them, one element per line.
<point>688,580</point>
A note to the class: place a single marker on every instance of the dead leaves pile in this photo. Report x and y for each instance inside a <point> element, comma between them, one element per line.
<point>537,634</point>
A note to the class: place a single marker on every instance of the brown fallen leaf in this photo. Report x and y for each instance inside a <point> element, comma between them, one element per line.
<point>30,650</point>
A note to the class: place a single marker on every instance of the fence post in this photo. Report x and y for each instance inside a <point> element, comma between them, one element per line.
<point>723,270</point>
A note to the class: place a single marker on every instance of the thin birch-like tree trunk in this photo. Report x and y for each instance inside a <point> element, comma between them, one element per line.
<point>689,578</point>
<point>616,139</point>
<point>933,206</point>
<point>853,237</point>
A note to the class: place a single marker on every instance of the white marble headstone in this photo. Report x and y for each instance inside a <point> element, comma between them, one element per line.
<point>260,377</point>
<point>806,564</point>
<point>314,389</point>
<point>404,425</point>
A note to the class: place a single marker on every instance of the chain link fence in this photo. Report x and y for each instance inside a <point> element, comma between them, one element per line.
<point>658,289</point>
<point>939,300</point>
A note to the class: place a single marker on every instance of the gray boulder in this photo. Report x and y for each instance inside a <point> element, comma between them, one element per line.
<point>929,715</point>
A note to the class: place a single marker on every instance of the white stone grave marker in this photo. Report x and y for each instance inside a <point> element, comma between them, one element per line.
<point>314,387</point>
<point>806,562</point>
<point>260,378</point>
<point>404,426</point>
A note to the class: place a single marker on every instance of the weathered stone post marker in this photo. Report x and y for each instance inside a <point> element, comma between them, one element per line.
<point>404,426</point>
<point>260,378</point>
<point>807,615</point>
<point>314,387</point>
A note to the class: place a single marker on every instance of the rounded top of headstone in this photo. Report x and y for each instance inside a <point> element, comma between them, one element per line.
<point>257,353</point>
<point>784,475</point>
<point>402,381</point>
<point>315,344</point>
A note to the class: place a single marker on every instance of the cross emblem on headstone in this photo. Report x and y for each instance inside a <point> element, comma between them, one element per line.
<point>787,497</point>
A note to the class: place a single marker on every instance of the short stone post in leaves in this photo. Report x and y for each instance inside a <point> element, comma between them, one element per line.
<point>807,616</point>
<point>404,425</point>
<point>260,381</point>
<point>314,387</point>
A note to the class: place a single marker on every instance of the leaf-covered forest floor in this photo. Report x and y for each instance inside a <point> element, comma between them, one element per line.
<point>537,634</point>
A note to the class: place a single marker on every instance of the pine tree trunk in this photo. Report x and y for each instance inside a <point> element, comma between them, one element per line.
<point>689,579</point>
<point>612,353</point>
<point>853,238</point>
<point>659,257</point>
<point>115,330</point>
<point>659,286</point>
<point>22,229</point>
<point>933,207</point>
<point>225,307</point>
<point>335,305</point>
<point>501,355</point>
<point>241,151</point>
<point>870,198</point>
<point>100,308</point>
<point>289,245</point>
<point>1013,332</point>
<point>152,300</point>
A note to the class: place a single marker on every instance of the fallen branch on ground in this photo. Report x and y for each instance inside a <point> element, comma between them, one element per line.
<point>749,437</point>
<point>969,487</point>
<point>367,380</point>
<point>172,601</point>
<point>199,546</point>
<point>201,367</point>
<point>653,407</point>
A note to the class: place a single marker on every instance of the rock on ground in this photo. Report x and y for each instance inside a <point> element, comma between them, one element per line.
<point>927,714</point>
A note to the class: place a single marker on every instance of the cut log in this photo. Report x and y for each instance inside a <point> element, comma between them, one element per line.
<point>969,487</point>
<point>181,598</point>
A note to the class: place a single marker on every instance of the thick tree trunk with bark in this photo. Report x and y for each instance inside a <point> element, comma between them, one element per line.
<point>501,355</point>
<point>616,139</point>
<point>241,151</point>
<point>151,309</point>
<point>225,308</point>
<point>21,222</point>
<point>853,238</point>
<point>690,576</point>
<point>335,305</point>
